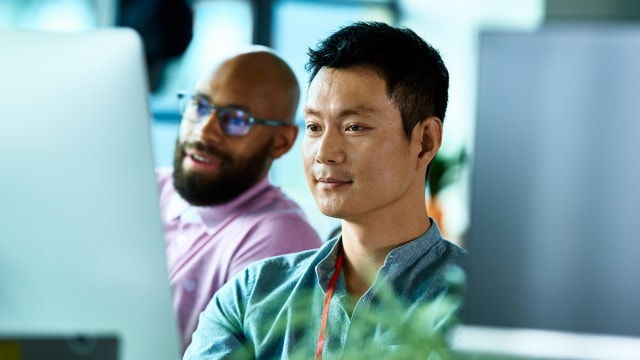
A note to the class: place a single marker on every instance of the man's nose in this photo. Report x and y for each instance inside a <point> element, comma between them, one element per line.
<point>330,148</point>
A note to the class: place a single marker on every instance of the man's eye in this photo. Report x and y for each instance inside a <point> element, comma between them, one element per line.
<point>201,107</point>
<point>354,128</point>
<point>240,121</point>
<point>312,127</point>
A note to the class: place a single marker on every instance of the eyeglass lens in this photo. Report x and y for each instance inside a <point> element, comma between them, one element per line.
<point>234,122</point>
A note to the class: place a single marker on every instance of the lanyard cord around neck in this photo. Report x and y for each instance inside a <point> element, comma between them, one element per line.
<point>325,311</point>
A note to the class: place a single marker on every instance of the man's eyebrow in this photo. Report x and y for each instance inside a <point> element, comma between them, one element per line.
<point>311,112</point>
<point>206,97</point>
<point>202,95</point>
<point>358,110</point>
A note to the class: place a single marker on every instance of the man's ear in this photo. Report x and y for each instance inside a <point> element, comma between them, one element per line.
<point>430,135</point>
<point>283,140</point>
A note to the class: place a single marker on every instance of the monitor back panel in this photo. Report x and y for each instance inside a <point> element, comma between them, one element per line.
<point>81,243</point>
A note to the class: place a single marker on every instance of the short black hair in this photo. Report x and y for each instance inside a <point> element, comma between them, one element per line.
<point>416,77</point>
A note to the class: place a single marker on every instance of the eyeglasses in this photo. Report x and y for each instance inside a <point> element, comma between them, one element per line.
<point>233,121</point>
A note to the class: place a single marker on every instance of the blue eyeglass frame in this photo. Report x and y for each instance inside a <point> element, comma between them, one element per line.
<point>250,120</point>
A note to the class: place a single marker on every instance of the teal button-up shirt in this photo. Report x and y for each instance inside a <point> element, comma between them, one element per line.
<point>273,309</point>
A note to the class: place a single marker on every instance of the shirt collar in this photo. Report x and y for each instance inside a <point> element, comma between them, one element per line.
<point>396,261</point>
<point>407,254</point>
<point>328,252</point>
<point>212,215</point>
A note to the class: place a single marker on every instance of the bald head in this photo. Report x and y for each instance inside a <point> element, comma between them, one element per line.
<point>261,75</point>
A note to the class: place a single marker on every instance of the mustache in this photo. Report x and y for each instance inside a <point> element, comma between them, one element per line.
<point>333,174</point>
<point>207,148</point>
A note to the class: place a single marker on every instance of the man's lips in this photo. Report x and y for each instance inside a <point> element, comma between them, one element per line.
<point>332,182</point>
<point>202,159</point>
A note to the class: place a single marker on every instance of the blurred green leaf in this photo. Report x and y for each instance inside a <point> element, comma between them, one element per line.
<point>444,171</point>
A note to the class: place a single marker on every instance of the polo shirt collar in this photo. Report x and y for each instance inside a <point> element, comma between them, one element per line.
<point>211,215</point>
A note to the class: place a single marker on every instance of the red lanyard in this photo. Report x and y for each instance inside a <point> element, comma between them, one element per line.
<point>325,311</point>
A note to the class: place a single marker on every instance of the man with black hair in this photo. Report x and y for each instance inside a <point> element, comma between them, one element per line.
<point>388,285</point>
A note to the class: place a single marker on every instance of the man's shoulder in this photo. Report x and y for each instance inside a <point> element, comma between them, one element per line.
<point>274,208</point>
<point>453,253</point>
<point>278,270</point>
<point>272,198</point>
<point>292,263</point>
<point>268,280</point>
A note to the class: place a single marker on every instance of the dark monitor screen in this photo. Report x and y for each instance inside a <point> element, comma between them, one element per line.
<point>554,238</point>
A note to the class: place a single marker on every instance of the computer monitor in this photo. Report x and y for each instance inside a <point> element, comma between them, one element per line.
<point>554,240</point>
<point>81,244</point>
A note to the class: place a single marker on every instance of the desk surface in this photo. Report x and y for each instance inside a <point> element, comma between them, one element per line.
<point>542,344</point>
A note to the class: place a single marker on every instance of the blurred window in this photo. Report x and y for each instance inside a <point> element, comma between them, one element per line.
<point>53,15</point>
<point>299,25</point>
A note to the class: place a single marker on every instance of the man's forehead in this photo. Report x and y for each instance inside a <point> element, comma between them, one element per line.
<point>358,88</point>
<point>258,65</point>
<point>328,76</point>
<point>221,73</point>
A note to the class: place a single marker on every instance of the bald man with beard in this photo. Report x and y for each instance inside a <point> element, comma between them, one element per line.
<point>220,211</point>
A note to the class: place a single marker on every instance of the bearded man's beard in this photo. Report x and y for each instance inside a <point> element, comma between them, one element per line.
<point>234,178</point>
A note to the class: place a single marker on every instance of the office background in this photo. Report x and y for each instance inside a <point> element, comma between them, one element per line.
<point>292,26</point>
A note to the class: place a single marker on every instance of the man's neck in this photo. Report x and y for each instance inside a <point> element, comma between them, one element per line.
<point>366,246</point>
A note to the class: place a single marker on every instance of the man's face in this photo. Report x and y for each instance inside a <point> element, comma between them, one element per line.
<point>212,168</point>
<point>357,159</point>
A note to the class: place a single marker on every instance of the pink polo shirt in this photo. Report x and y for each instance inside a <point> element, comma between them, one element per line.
<point>207,245</point>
